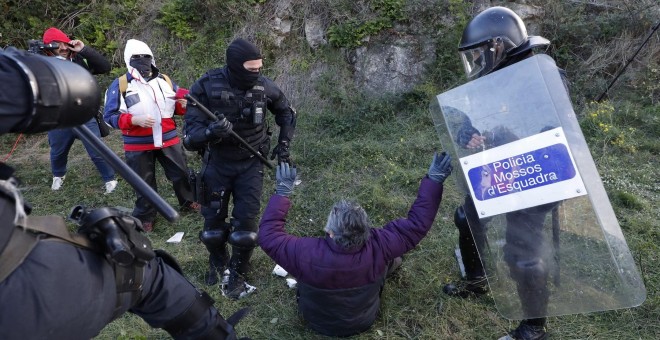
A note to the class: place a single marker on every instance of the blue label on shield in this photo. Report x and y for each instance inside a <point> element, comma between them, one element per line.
<point>522,172</point>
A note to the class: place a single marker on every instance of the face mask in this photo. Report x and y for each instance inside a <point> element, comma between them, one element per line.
<point>238,52</point>
<point>142,65</point>
<point>242,78</point>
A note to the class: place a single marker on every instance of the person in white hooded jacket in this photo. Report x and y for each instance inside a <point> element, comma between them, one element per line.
<point>142,103</point>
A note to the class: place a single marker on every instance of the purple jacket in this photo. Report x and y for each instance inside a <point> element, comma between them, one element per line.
<point>321,263</point>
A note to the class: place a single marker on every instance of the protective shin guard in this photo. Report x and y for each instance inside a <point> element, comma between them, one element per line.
<point>531,280</point>
<point>468,246</point>
<point>215,241</point>
<point>243,244</point>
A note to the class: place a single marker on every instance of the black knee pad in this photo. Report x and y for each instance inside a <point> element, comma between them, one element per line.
<point>243,239</point>
<point>214,238</point>
<point>531,272</point>
<point>460,220</point>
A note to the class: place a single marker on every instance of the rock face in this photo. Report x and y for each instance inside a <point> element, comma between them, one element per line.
<point>315,32</point>
<point>394,64</point>
<point>394,60</point>
<point>281,22</point>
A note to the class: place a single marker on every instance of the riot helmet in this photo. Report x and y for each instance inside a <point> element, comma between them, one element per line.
<point>491,38</point>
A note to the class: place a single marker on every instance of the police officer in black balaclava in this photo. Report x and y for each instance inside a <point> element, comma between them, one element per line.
<point>239,52</point>
<point>239,95</point>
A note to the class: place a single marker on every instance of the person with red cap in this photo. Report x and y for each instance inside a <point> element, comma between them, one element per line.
<point>61,140</point>
<point>142,103</point>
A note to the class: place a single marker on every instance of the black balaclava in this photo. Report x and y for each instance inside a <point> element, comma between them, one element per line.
<point>238,52</point>
<point>142,65</point>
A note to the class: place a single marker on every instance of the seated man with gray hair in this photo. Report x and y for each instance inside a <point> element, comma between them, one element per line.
<point>340,277</point>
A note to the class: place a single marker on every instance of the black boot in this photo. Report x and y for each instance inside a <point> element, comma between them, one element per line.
<point>235,285</point>
<point>533,329</point>
<point>476,286</point>
<point>470,241</point>
<point>242,245</point>
<point>217,265</point>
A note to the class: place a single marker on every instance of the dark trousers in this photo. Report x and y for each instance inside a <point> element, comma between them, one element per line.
<point>240,180</point>
<point>173,161</point>
<point>525,252</point>
<point>65,292</point>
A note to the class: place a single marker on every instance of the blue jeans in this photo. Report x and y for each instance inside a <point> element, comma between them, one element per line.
<point>61,140</point>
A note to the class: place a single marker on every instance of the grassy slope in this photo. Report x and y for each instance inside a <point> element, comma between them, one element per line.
<point>378,162</point>
<point>375,153</point>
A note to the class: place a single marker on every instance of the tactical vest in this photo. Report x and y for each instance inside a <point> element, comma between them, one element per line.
<point>244,109</point>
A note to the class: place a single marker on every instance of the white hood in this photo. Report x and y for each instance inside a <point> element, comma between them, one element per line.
<point>136,47</point>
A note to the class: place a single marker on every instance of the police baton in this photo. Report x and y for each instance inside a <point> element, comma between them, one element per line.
<point>653,29</point>
<point>86,135</point>
<point>213,117</point>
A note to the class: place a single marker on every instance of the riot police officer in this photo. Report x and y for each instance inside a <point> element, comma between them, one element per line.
<point>492,40</point>
<point>239,95</point>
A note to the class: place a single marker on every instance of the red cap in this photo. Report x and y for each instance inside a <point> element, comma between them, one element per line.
<point>53,34</point>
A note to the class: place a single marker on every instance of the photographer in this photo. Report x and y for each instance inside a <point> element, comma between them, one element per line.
<point>58,285</point>
<point>61,140</point>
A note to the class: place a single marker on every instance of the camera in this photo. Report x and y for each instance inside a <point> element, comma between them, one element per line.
<point>43,93</point>
<point>38,47</point>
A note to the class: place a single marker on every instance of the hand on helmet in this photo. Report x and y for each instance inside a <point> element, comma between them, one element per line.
<point>440,168</point>
<point>285,177</point>
<point>469,137</point>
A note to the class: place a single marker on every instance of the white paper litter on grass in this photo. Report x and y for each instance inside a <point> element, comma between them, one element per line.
<point>176,238</point>
<point>291,283</point>
<point>279,271</point>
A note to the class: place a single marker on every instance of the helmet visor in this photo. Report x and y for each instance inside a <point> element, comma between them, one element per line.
<point>476,60</point>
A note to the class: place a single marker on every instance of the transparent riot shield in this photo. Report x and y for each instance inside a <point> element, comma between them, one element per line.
<point>552,243</point>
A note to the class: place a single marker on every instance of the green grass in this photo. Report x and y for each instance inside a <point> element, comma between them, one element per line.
<point>377,160</point>
<point>375,151</point>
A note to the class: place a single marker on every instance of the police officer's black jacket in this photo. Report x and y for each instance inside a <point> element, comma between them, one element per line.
<point>214,91</point>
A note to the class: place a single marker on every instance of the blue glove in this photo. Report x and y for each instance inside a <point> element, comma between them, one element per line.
<point>440,168</point>
<point>285,176</point>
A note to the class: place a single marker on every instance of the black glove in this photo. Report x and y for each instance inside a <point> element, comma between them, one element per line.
<point>285,177</point>
<point>464,135</point>
<point>440,168</point>
<point>221,128</point>
<point>282,153</point>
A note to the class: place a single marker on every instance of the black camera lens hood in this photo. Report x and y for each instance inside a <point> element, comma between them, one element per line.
<point>64,94</point>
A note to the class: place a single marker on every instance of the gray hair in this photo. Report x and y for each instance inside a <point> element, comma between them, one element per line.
<point>349,224</point>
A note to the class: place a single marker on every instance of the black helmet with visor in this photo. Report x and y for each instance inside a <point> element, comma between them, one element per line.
<point>491,37</point>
